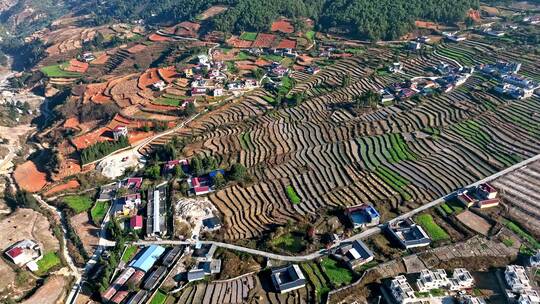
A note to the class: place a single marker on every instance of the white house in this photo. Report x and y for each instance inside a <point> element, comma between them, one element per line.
<point>432,280</point>
<point>402,290</point>
<point>461,279</point>
<point>529,297</point>
<point>516,278</point>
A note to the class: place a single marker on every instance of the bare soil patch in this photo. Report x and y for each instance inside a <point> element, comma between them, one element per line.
<point>53,291</point>
<point>212,11</point>
<point>72,184</point>
<point>87,232</point>
<point>29,178</point>
<point>474,222</point>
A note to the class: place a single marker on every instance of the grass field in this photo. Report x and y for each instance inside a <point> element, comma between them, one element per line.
<point>523,234</point>
<point>310,35</point>
<point>98,212</point>
<point>168,101</point>
<point>249,36</point>
<point>56,71</point>
<point>159,298</point>
<point>432,229</point>
<point>129,253</point>
<point>337,274</point>
<point>78,203</point>
<point>47,262</point>
<point>290,242</point>
<point>242,56</point>
<point>291,194</point>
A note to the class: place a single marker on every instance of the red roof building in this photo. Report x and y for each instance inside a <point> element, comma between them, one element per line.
<point>136,222</point>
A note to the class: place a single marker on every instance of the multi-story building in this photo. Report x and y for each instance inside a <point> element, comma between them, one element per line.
<point>402,290</point>
<point>432,279</point>
<point>516,278</point>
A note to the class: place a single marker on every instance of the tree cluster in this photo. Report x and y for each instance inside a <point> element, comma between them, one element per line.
<point>101,149</point>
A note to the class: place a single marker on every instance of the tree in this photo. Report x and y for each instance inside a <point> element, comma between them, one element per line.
<point>178,172</point>
<point>196,166</point>
<point>238,172</point>
<point>219,181</point>
<point>153,172</point>
<point>367,99</point>
<point>209,163</point>
<point>190,109</point>
<point>346,80</point>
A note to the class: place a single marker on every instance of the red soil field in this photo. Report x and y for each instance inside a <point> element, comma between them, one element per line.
<point>245,65</point>
<point>186,28</point>
<point>72,184</point>
<point>29,178</point>
<point>220,56</point>
<point>262,63</point>
<point>101,59</point>
<point>77,66</point>
<point>158,38</point>
<point>426,24</point>
<point>283,26</point>
<point>138,136</point>
<point>264,40</point>
<point>286,44</point>
<point>474,15</point>
<point>137,48</point>
<point>148,78</point>
<point>90,138</point>
<point>168,74</point>
<point>304,59</point>
<point>239,43</point>
<point>71,123</point>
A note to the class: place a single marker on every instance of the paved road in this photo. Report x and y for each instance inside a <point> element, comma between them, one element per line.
<point>362,235</point>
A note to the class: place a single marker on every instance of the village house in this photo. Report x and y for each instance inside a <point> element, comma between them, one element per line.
<point>414,45</point>
<point>516,278</point>
<point>25,253</point>
<point>529,297</point>
<point>159,86</point>
<point>482,196</point>
<point>362,216</point>
<point>401,290</point>
<point>432,279</point>
<point>409,234</point>
<point>354,254</point>
<point>127,205</point>
<point>171,164</point>
<point>288,278</point>
<point>88,57</point>
<point>396,67</point>
<point>534,260</point>
<point>313,70</point>
<point>136,222</point>
<point>461,279</point>
<point>119,131</point>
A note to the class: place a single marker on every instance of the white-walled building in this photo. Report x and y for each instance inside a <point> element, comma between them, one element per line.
<point>529,297</point>
<point>461,279</point>
<point>432,279</point>
<point>516,278</point>
<point>402,290</point>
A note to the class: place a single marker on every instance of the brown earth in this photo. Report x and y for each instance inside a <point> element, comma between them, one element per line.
<point>212,11</point>
<point>29,178</point>
<point>53,291</point>
<point>474,222</point>
<point>72,184</point>
<point>86,231</point>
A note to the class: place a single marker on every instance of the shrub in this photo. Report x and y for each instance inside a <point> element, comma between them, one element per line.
<point>291,194</point>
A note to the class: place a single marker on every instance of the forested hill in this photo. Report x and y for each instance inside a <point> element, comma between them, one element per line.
<point>379,19</point>
<point>371,19</point>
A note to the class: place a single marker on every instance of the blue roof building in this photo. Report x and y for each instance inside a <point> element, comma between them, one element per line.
<point>148,258</point>
<point>363,216</point>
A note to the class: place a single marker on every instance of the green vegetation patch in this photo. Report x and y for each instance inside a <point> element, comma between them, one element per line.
<point>249,36</point>
<point>57,71</point>
<point>292,195</point>
<point>129,253</point>
<point>159,298</point>
<point>435,232</point>
<point>242,56</point>
<point>317,279</point>
<point>101,149</point>
<point>290,242</point>
<point>78,203</point>
<point>98,212</point>
<point>310,35</point>
<point>447,209</point>
<point>47,262</point>
<point>508,242</point>
<point>168,101</point>
<point>533,242</point>
<point>245,141</point>
<point>394,180</point>
<point>338,275</point>
<point>271,57</point>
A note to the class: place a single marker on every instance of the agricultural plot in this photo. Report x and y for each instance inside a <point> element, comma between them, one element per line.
<point>98,212</point>
<point>78,203</point>
<point>520,192</point>
<point>396,157</point>
<point>435,232</point>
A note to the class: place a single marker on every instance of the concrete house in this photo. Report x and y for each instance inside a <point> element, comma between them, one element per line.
<point>288,278</point>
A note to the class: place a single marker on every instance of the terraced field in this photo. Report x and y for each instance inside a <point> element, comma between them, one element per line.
<point>396,157</point>
<point>519,191</point>
<point>246,289</point>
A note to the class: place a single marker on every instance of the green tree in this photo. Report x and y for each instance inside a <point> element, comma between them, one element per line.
<point>238,172</point>
<point>153,172</point>
<point>219,181</point>
<point>196,166</point>
<point>209,163</point>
